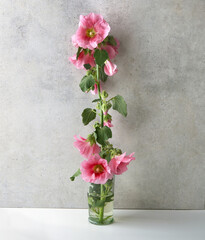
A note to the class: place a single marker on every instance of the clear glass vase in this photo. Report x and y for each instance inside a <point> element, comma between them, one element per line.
<point>100,203</point>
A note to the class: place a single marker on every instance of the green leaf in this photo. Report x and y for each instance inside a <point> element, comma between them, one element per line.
<point>87,66</point>
<point>119,104</point>
<point>100,56</point>
<point>87,51</point>
<point>103,76</point>
<point>99,203</point>
<point>109,198</point>
<point>112,41</point>
<point>95,135</point>
<point>95,188</point>
<point>103,134</point>
<point>76,174</point>
<point>96,100</point>
<point>88,115</point>
<point>90,201</point>
<point>87,82</point>
<point>78,53</point>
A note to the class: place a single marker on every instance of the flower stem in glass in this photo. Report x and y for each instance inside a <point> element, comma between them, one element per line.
<point>101,212</point>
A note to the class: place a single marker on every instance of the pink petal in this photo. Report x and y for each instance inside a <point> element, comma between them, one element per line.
<point>87,170</point>
<point>118,164</point>
<point>74,41</point>
<point>85,148</point>
<point>111,51</point>
<point>110,68</point>
<point>91,21</point>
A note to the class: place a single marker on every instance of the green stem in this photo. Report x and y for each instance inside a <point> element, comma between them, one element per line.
<point>101,212</point>
<point>99,93</point>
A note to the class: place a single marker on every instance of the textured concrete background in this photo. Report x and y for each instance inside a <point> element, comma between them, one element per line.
<point>161,75</point>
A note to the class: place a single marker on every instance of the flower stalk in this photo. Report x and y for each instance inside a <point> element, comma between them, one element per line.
<point>99,93</point>
<point>96,49</point>
<point>101,212</point>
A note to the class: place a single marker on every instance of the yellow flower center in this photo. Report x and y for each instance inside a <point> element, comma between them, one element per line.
<point>90,32</point>
<point>98,168</point>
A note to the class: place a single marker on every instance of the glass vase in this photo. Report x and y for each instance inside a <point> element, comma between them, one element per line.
<point>100,203</point>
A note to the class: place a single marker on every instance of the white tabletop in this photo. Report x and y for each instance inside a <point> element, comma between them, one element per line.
<point>72,224</point>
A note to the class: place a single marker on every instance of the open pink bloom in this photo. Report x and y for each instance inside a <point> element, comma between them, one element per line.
<point>92,30</point>
<point>85,147</point>
<point>118,164</point>
<point>108,124</point>
<point>82,59</point>
<point>110,68</point>
<point>95,170</point>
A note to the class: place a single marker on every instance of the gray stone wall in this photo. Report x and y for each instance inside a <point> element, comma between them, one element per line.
<point>161,75</point>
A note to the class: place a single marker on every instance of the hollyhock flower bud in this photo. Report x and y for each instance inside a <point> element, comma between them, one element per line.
<point>107,116</point>
<point>104,94</point>
<point>118,164</point>
<point>97,124</point>
<point>95,170</point>
<point>98,106</point>
<point>110,68</point>
<point>82,59</point>
<point>93,29</point>
<point>108,124</point>
<point>107,120</point>
<point>95,90</point>
<point>105,111</point>
<point>86,148</point>
<point>104,107</point>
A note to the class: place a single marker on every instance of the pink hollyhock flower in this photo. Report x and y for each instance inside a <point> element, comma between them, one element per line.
<point>95,170</point>
<point>110,68</point>
<point>82,59</point>
<point>111,50</point>
<point>118,164</point>
<point>92,30</point>
<point>86,149</point>
<point>108,124</point>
